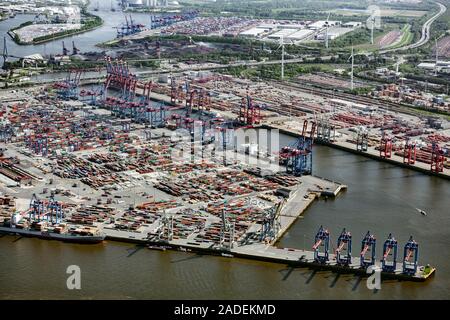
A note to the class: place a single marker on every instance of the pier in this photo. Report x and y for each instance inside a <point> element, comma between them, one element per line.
<point>370,153</point>
<point>311,188</point>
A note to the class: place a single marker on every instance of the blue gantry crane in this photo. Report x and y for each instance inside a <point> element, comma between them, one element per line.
<point>297,157</point>
<point>50,210</point>
<point>129,28</point>
<point>410,257</point>
<point>344,248</point>
<point>368,246</point>
<point>389,250</point>
<point>54,211</point>
<point>68,88</point>
<point>321,245</point>
<point>36,208</point>
<point>92,97</point>
<point>6,132</point>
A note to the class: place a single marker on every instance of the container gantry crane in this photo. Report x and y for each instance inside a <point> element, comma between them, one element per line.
<point>227,232</point>
<point>272,222</point>
<point>437,158</point>
<point>54,210</point>
<point>389,250</point>
<point>75,50</point>
<point>91,96</point>
<point>322,240</point>
<point>385,146</point>
<point>410,257</point>
<point>409,152</point>
<point>368,246</point>
<point>65,51</point>
<point>68,88</point>
<point>165,228</point>
<point>326,132</point>
<point>36,208</point>
<point>362,140</point>
<point>129,28</point>
<point>344,248</point>
<point>298,156</point>
<point>144,105</point>
<point>249,113</point>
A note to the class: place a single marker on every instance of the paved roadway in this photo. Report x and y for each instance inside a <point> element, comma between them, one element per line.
<point>425,32</point>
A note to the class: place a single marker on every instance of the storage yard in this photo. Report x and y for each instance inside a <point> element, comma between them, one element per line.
<point>178,143</point>
<point>389,39</point>
<point>133,188</point>
<point>136,191</point>
<point>443,47</point>
<point>29,33</point>
<point>178,172</point>
<point>217,26</point>
<point>343,120</point>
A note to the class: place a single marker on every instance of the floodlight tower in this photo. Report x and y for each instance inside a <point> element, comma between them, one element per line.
<point>5,53</point>
<point>436,57</point>
<point>327,26</point>
<point>282,57</point>
<point>352,57</point>
<point>372,26</point>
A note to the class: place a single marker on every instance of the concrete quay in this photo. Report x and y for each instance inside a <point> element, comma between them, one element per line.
<point>370,153</point>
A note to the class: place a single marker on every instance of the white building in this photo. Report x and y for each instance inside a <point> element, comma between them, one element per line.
<point>352,24</point>
<point>284,33</point>
<point>70,14</point>
<point>253,32</point>
<point>441,65</point>
<point>300,34</point>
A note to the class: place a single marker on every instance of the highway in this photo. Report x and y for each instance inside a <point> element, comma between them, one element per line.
<point>425,37</point>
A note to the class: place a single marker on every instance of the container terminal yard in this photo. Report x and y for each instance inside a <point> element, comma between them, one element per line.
<point>108,160</point>
<point>218,171</point>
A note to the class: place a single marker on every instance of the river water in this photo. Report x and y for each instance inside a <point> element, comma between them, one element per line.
<point>381,198</point>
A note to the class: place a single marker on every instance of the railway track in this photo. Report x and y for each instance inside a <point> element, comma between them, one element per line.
<point>389,105</point>
<point>425,34</point>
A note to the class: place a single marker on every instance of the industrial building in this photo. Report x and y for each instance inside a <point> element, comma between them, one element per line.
<point>440,66</point>
<point>284,33</point>
<point>322,23</point>
<point>297,32</point>
<point>300,35</point>
<point>254,32</point>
